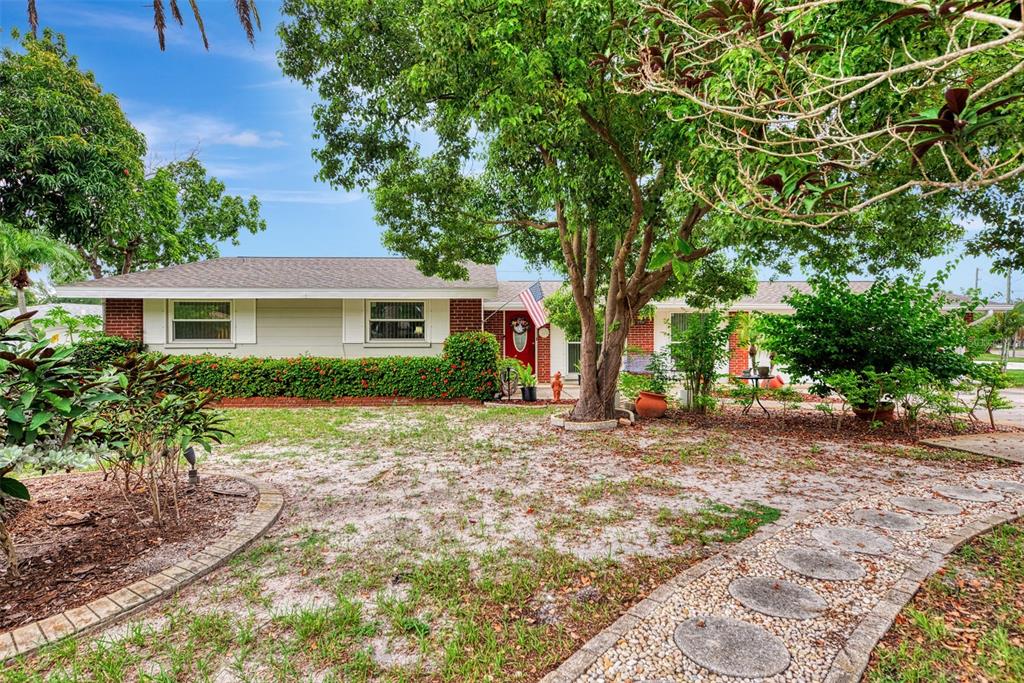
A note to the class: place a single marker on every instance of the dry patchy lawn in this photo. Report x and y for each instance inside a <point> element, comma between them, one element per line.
<point>470,543</point>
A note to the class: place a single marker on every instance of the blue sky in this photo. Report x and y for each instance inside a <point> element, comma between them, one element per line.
<point>249,124</point>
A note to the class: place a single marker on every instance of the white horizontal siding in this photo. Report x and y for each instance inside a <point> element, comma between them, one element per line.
<point>334,328</point>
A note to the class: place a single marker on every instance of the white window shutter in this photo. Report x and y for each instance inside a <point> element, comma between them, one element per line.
<point>154,321</point>
<point>244,315</point>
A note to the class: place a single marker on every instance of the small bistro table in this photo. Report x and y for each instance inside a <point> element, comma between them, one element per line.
<point>756,379</point>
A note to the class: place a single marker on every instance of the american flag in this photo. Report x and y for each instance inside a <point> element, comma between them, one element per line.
<point>531,298</point>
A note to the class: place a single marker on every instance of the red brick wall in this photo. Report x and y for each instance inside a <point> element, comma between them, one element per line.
<point>465,315</point>
<point>544,355</point>
<point>494,322</point>
<point>641,335</point>
<point>123,318</point>
<point>739,359</point>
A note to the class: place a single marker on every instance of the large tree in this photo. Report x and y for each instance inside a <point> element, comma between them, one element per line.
<point>69,158</point>
<point>71,167</point>
<point>179,215</point>
<point>482,127</point>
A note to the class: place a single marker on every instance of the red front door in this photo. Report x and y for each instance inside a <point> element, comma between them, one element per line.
<point>519,337</point>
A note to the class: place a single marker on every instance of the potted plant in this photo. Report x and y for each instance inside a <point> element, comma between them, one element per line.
<point>527,383</point>
<point>650,402</point>
<point>748,333</point>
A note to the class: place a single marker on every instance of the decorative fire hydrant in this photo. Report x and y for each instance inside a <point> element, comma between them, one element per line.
<point>556,387</point>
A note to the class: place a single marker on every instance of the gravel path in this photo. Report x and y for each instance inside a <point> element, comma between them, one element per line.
<point>715,624</point>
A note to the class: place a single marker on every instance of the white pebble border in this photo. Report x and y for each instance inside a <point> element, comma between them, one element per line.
<point>834,646</point>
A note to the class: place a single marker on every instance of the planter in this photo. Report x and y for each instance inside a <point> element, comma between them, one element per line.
<point>529,393</point>
<point>650,404</point>
<point>563,422</point>
<point>884,412</point>
<point>764,371</point>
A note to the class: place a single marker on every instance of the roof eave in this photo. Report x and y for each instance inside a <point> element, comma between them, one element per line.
<point>100,292</point>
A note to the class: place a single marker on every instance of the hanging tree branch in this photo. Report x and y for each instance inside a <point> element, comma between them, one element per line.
<point>783,91</point>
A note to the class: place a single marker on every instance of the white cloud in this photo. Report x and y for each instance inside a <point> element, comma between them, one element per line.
<point>174,134</point>
<point>302,196</point>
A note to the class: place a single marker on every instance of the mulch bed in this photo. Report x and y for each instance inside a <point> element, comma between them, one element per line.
<point>814,425</point>
<point>78,540</point>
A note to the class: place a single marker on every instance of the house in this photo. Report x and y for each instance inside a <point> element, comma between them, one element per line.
<point>355,307</point>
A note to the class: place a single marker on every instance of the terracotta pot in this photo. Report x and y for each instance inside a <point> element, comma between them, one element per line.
<point>650,404</point>
<point>776,382</point>
<point>885,412</point>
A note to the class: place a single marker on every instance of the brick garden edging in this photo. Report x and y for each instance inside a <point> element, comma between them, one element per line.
<point>109,609</point>
<point>852,659</point>
<point>588,654</point>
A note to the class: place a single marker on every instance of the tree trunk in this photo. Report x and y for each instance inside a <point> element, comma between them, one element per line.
<point>22,300</point>
<point>599,380</point>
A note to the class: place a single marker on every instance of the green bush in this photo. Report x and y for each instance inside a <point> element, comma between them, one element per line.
<point>897,324</point>
<point>468,368</point>
<point>102,350</point>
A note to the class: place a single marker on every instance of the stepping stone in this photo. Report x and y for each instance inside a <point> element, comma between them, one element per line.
<point>732,648</point>
<point>1003,485</point>
<point>967,493</point>
<point>777,598</point>
<point>820,564</point>
<point>897,521</point>
<point>926,506</point>
<point>852,540</point>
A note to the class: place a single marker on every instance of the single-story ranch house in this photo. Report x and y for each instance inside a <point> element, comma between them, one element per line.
<point>352,307</point>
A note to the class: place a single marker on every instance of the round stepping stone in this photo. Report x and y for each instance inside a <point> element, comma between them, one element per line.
<point>732,648</point>
<point>1003,485</point>
<point>820,564</point>
<point>967,493</point>
<point>777,598</point>
<point>926,506</point>
<point>852,540</point>
<point>897,521</point>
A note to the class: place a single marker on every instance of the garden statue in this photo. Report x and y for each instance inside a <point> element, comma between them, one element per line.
<point>556,387</point>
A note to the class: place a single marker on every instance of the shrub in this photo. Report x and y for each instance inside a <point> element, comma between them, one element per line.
<point>632,383</point>
<point>101,350</point>
<point>158,417</point>
<point>892,324</point>
<point>468,368</point>
<point>698,350</point>
<point>43,396</point>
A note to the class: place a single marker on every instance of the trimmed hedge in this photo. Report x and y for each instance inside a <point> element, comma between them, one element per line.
<point>100,350</point>
<point>468,368</point>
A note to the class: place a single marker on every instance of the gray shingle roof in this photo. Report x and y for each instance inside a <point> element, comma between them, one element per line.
<point>285,272</point>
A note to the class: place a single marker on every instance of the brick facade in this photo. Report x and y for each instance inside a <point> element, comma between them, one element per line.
<point>641,335</point>
<point>494,322</point>
<point>739,358</point>
<point>544,356</point>
<point>465,315</point>
<point>123,318</point>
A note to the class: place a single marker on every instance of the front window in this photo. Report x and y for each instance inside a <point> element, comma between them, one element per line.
<point>575,356</point>
<point>201,320</point>
<point>397,320</point>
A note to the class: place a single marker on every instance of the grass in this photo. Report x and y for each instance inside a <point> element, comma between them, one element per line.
<point>966,623</point>
<point>1016,377</point>
<point>716,522</point>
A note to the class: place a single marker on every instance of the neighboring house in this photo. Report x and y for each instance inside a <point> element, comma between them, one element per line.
<point>351,307</point>
<point>57,332</point>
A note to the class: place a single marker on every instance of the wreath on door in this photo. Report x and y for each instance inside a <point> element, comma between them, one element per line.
<point>520,326</point>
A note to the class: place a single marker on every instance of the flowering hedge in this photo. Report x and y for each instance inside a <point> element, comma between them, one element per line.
<point>466,369</point>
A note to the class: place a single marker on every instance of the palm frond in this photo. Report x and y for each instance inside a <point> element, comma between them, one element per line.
<point>199,22</point>
<point>159,22</point>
